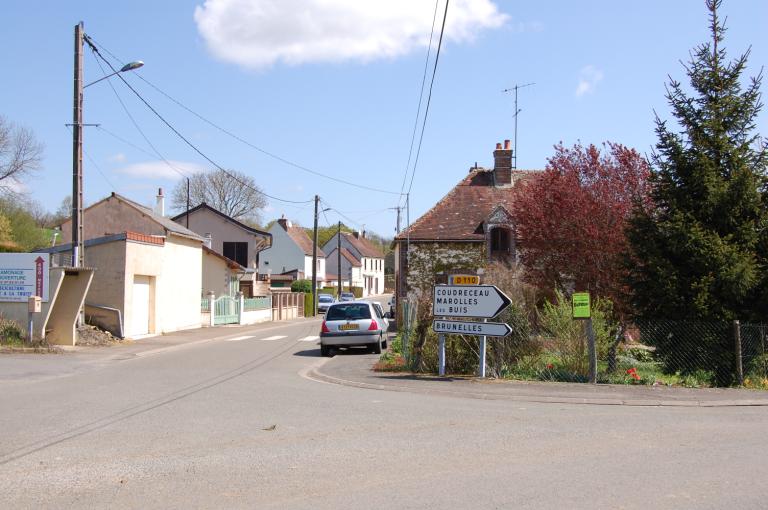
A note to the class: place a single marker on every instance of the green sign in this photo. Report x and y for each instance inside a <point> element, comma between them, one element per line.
<point>581,305</point>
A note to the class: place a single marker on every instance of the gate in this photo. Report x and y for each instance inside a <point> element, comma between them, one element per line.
<point>226,310</point>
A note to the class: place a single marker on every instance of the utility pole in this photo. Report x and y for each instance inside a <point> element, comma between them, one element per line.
<point>314,262</point>
<point>517,111</point>
<point>77,152</point>
<point>398,219</point>
<point>338,254</point>
<point>187,202</point>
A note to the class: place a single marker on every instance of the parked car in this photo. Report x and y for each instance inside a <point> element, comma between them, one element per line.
<point>324,301</point>
<point>392,307</point>
<point>346,296</point>
<point>384,317</point>
<point>351,324</point>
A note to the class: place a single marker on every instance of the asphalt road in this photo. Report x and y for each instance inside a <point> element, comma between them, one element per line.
<point>232,423</point>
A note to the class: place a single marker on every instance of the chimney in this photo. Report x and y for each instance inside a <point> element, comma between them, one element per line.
<point>160,207</point>
<point>356,233</point>
<point>208,242</point>
<point>502,164</point>
<point>286,224</point>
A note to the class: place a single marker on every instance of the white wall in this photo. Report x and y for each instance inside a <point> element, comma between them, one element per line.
<point>283,256</point>
<point>308,267</point>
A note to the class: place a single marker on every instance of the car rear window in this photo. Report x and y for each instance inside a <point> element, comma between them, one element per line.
<point>326,299</point>
<point>349,312</point>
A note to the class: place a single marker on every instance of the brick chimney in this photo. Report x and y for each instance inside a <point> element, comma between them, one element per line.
<point>502,164</point>
<point>286,224</point>
<point>160,205</point>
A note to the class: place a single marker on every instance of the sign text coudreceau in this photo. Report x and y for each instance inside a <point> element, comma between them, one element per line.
<point>458,299</point>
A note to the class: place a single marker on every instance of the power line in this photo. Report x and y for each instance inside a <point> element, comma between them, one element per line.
<point>249,144</point>
<point>136,125</point>
<point>96,165</point>
<point>183,138</point>
<point>418,109</point>
<point>429,97</point>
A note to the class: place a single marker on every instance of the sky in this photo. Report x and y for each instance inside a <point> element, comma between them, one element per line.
<point>333,87</point>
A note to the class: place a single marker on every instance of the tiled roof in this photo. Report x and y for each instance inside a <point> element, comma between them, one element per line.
<point>302,240</point>
<point>351,258</point>
<point>459,215</point>
<point>364,246</point>
<point>167,223</point>
<point>204,206</point>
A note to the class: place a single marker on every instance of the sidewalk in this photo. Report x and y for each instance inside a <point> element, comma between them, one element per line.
<point>356,371</point>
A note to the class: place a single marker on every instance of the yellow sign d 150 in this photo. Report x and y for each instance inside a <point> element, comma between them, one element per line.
<point>580,305</point>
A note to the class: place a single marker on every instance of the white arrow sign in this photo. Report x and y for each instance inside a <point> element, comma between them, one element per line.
<point>478,301</point>
<point>471,328</point>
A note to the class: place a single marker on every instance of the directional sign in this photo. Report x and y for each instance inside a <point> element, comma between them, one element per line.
<point>23,275</point>
<point>463,279</point>
<point>478,301</point>
<point>471,328</point>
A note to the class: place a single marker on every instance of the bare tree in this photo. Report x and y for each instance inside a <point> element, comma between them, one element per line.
<point>231,192</point>
<point>20,153</point>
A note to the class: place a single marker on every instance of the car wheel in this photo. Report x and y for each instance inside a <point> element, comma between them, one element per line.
<point>377,346</point>
<point>325,351</point>
<point>384,344</point>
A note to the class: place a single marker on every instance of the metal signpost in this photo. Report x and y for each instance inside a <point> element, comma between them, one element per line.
<point>473,301</point>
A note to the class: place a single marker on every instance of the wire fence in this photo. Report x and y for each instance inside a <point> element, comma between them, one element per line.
<point>657,352</point>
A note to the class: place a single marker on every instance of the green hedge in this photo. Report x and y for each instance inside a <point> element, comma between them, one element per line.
<point>357,291</point>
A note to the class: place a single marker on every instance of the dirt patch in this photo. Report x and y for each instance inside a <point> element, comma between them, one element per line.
<point>93,336</point>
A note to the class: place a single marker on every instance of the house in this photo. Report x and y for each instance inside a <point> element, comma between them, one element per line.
<point>221,275</point>
<point>366,254</point>
<point>468,228</point>
<point>290,256</point>
<point>351,268</point>
<point>232,239</point>
<point>148,269</point>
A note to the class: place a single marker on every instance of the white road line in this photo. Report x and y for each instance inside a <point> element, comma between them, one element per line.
<point>310,338</point>
<point>276,337</point>
<point>238,338</point>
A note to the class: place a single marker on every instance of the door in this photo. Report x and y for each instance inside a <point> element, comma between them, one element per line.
<point>140,308</point>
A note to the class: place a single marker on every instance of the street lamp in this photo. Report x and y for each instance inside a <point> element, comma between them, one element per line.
<point>77,144</point>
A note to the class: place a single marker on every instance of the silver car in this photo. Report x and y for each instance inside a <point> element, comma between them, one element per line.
<point>324,301</point>
<point>353,323</point>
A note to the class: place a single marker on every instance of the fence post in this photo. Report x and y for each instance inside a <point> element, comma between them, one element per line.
<point>737,340</point>
<point>592,348</point>
<point>211,308</point>
<point>240,307</point>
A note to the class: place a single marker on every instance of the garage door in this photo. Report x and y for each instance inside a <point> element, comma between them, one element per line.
<point>140,308</point>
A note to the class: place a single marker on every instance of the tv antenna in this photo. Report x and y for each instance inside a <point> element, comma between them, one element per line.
<point>517,111</point>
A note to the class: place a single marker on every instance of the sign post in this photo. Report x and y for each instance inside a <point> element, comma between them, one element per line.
<point>582,311</point>
<point>441,354</point>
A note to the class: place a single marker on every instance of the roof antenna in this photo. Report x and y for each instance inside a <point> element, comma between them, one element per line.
<point>517,111</point>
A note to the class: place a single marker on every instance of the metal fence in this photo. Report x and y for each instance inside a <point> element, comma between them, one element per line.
<point>659,352</point>
<point>257,303</point>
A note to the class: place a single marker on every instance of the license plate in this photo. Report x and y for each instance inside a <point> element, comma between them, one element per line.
<point>348,327</point>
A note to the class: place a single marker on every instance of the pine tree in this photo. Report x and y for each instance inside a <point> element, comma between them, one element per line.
<point>700,250</point>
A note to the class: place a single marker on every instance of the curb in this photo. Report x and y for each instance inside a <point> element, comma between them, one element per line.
<point>316,375</point>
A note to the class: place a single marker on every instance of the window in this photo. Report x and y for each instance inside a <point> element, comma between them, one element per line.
<point>500,242</point>
<point>237,252</point>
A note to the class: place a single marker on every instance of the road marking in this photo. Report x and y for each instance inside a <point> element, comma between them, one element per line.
<point>276,337</point>
<point>238,338</point>
<point>310,338</point>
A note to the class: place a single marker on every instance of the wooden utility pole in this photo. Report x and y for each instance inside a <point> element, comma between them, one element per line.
<point>314,262</point>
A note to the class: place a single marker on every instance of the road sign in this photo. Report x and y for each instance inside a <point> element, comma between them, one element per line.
<point>477,301</point>
<point>23,275</point>
<point>580,305</point>
<point>463,279</point>
<point>471,328</point>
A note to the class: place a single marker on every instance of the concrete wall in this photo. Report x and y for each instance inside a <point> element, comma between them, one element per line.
<point>308,267</point>
<point>109,282</point>
<point>283,256</point>
<point>178,288</point>
<point>70,296</point>
<point>256,316</point>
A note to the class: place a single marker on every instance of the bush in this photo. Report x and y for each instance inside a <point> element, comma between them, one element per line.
<point>301,286</point>
<point>11,332</point>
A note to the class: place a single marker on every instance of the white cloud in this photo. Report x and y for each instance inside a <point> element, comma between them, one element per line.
<point>161,170</point>
<point>589,77</point>
<point>117,158</point>
<point>259,33</point>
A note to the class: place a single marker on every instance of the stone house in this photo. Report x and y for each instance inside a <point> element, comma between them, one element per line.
<point>468,228</point>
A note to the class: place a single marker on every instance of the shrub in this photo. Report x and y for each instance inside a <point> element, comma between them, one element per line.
<point>301,286</point>
<point>11,332</point>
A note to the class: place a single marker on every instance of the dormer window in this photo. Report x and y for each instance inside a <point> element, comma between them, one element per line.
<point>501,242</point>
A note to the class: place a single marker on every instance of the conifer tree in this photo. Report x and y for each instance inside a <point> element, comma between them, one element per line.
<point>700,250</point>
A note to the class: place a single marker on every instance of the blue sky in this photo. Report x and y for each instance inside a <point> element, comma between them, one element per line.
<point>333,86</point>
